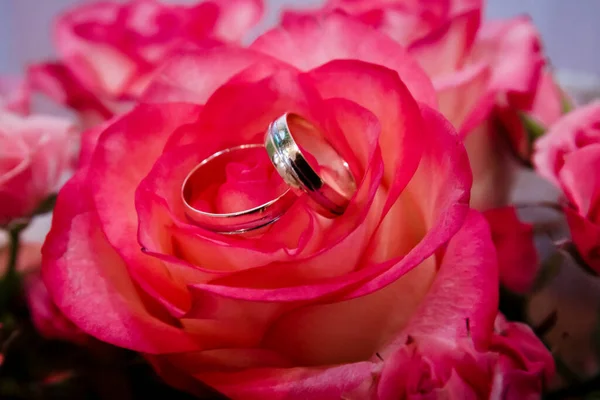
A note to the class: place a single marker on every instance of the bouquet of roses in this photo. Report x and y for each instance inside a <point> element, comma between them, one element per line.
<point>328,212</point>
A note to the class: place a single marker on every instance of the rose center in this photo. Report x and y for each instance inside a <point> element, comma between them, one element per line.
<point>238,181</point>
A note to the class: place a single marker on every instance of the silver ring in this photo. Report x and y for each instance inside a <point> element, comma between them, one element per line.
<point>325,177</point>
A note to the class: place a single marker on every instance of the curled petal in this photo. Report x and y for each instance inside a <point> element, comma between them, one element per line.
<point>469,263</point>
<point>574,130</point>
<point>56,81</point>
<point>193,76</point>
<point>102,302</point>
<point>443,51</point>
<point>310,42</point>
<point>513,48</point>
<point>114,190</point>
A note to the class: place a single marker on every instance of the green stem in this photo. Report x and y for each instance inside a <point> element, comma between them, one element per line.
<point>9,284</point>
<point>14,246</point>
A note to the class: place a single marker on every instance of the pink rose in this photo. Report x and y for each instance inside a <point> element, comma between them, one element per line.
<point>302,309</point>
<point>14,95</point>
<point>569,156</point>
<point>109,51</point>
<point>470,63</point>
<point>515,365</point>
<point>34,154</point>
<point>483,72</point>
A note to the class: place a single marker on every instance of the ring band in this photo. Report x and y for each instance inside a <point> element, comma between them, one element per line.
<point>235,222</point>
<point>326,177</point>
<point>307,163</point>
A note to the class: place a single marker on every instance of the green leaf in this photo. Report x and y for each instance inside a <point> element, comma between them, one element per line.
<point>534,129</point>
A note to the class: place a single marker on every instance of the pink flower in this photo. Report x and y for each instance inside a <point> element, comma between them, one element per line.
<point>483,73</point>
<point>14,95</point>
<point>515,365</point>
<point>569,156</point>
<point>109,51</point>
<point>34,152</point>
<point>301,309</point>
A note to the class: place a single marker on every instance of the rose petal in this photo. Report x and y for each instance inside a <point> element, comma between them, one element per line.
<point>468,265</point>
<point>236,17</point>
<point>443,50</point>
<point>311,42</point>
<point>583,193</point>
<point>57,82</point>
<point>193,76</point>
<point>517,256</point>
<point>465,98</point>
<point>114,190</point>
<point>513,48</point>
<point>577,129</point>
<point>398,115</point>
<point>90,283</point>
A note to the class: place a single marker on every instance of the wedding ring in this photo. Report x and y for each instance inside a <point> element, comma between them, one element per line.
<point>306,162</point>
<point>309,164</point>
<point>234,222</point>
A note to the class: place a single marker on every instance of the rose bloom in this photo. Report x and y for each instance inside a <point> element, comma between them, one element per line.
<point>34,153</point>
<point>484,74</point>
<point>309,307</point>
<point>108,51</point>
<point>569,156</point>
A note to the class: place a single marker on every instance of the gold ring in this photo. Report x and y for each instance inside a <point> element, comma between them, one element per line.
<point>235,222</point>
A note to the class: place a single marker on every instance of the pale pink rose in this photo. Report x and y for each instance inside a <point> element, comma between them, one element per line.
<point>34,153</point>
<point>569,156</point>
<point>14,95</point>
<point>484,73</point>
<point>108,51</point>
<point>301,309</point>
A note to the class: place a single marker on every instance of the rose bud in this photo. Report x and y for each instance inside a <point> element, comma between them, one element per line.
<point>569,156</point>
<point>34,154</point>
